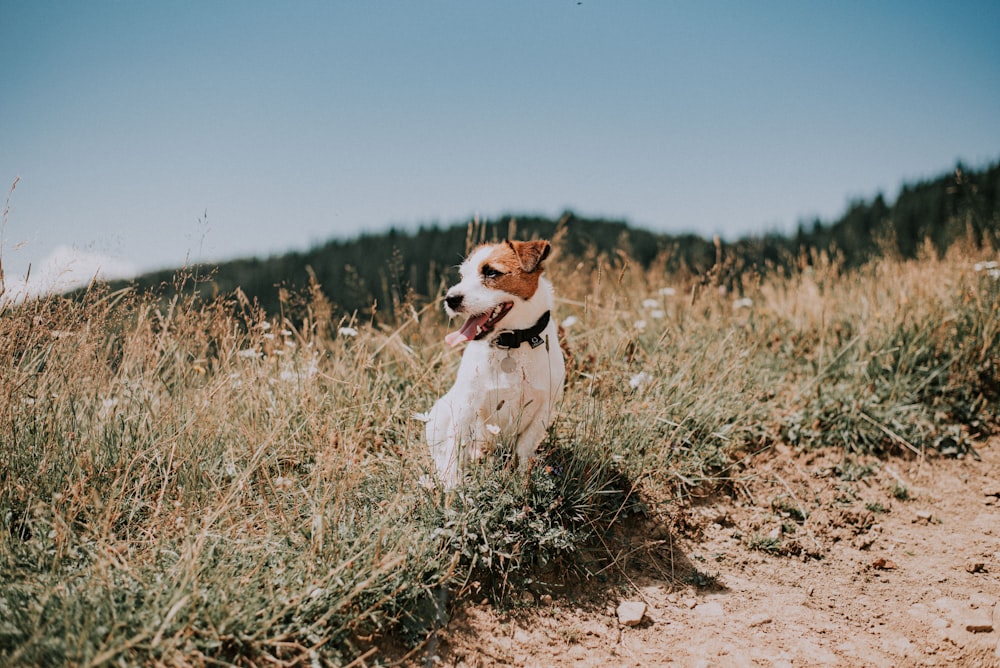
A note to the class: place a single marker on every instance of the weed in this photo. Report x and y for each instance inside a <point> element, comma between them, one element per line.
<point>764,543</point>
<point>790,507</point>
<point>851,470</point>
<point>702,580</point>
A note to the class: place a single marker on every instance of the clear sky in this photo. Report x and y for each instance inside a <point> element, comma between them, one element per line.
<point>147,134</point>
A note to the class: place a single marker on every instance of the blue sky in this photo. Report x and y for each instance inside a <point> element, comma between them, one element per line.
<point>148,134</point>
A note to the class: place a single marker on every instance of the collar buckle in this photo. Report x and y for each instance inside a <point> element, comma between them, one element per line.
<point>513,338</point>
<point>506,339</point>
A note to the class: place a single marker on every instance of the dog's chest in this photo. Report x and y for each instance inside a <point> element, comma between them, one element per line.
<point>485,367</point>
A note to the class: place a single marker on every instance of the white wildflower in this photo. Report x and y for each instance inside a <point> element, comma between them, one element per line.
<point>745,302</point>
<point>650,303</point>
<point>570,321</point>
<point>422,417</point>
<point>994,274</point>
<point>657,314</point>
<point>493,429</point>
<point>263,325</point>
<point>249,354</point>
<point>668,292</point>
<point>984,266</point>
<point>639,379</point>
<point>640,325</point>
<point>294,373</point>
<point>347,331</point>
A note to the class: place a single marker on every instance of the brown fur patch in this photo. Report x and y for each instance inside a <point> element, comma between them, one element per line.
<point>519,264</point>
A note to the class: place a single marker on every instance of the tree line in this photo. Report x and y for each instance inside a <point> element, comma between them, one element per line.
<point>376,275</point>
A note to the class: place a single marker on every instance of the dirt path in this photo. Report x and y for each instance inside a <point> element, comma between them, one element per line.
<point>814,561</point>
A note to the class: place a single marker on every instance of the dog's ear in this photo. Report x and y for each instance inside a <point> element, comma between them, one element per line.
<point>530,254</point>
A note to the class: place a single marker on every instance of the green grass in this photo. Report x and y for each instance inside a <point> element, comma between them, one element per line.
<point>192,483</point>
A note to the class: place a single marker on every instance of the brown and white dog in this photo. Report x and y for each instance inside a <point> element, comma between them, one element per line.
<point>512,369</point>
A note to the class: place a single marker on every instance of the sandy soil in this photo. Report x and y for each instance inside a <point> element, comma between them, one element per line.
<point>809,560</point>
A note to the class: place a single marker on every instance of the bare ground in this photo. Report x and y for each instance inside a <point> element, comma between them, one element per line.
<point>810,560</point>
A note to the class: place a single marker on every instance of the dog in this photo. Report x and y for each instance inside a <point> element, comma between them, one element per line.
<point>511,374</point>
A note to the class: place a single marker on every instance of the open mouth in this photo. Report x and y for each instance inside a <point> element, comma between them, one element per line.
<point>478,326</point>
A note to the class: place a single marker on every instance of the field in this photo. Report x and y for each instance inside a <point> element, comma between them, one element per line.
<point>203,483</point>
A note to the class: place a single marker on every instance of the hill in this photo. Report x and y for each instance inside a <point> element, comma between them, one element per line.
<point>375,275</point>
<point>802,475</point>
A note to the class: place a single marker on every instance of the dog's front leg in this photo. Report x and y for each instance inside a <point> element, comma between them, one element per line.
<point>528,440</point>
<point>444,438</point>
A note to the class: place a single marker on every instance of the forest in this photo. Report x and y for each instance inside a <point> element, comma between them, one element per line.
<point>373,276</point>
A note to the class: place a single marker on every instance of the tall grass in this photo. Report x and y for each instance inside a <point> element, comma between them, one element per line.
<point>193,483</point>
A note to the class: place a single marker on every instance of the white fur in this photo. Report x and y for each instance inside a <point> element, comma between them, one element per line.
<point>487,404</point>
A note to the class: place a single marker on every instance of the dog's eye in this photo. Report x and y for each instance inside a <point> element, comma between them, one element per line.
<point>490,272</point>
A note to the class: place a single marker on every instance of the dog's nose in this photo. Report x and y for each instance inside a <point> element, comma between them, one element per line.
<point>453,301</point>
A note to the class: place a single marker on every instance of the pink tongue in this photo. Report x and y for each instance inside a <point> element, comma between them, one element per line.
<point>456,338</point>
<point>467,333</point>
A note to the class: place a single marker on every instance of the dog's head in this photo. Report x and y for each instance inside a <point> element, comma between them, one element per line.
<point>495,278</point>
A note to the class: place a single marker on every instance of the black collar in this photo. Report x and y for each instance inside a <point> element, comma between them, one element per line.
<point>513,338</point>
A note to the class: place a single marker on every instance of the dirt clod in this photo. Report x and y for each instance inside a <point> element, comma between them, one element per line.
<point>980,624</point>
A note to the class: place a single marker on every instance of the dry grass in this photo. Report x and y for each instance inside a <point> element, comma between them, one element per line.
<point>190,483</point>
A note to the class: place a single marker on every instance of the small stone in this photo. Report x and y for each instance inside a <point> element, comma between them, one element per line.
<point>760,620</point>
<point>630,613</point>
<point>883,564</point>
<point>689,603</point>
<point>545,599</point>
<point>976,567</point>
<point>922,516</point>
